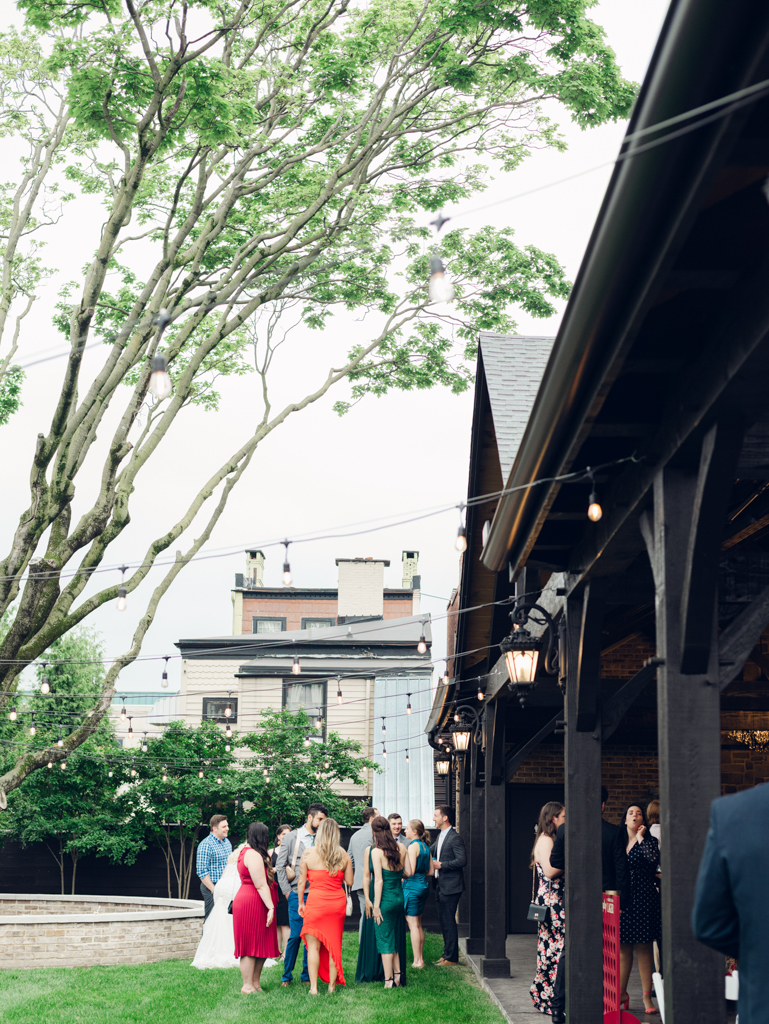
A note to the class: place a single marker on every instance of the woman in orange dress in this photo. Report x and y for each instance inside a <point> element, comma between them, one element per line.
<point>326,868</point>
<point>253,909</point>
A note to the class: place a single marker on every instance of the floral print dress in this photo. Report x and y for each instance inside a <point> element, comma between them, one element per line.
<point>551,940</point>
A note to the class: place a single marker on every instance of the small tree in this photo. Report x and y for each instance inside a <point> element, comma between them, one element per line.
<point>285,775</point>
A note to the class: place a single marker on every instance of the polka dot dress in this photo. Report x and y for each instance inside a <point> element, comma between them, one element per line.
<point>641,921</point>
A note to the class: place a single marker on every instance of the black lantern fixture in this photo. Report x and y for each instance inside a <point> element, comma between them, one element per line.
<point>522,650</point>
<point>465,727</point>
<point>443,764</point>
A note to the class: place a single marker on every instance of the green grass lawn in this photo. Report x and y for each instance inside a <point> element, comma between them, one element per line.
<point>172,992</point>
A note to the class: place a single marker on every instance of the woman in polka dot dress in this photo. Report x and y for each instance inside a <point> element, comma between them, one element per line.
<point>641,920</point>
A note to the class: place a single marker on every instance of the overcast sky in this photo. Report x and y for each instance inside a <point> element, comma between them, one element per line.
<point>388,457</point>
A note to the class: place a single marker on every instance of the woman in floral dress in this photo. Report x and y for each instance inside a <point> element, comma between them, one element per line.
<point>549,893</point>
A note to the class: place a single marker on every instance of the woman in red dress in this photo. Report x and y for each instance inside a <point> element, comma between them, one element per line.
<point>253,910</point>
<point>326,867</point>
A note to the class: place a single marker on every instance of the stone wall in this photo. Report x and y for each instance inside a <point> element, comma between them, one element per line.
<point>58,932</point>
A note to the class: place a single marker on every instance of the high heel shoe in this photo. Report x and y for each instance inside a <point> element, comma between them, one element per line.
<point>398,975</point>
<point>389,981</point>
<point>624,1000</point>
<point>649,1009</point>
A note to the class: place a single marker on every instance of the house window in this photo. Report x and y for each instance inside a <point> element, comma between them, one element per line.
<point>267,624</point>
<point>214,707</point>
<point>317,623</point>
<point>308,697</point>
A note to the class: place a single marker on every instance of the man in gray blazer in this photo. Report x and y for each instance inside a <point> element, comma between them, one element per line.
<point>356,849</point>
<point>289,855</point>
<point>731,904</point>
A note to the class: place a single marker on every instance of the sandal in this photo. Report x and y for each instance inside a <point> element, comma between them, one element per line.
<point>398,975</point>
<point>389,981</point>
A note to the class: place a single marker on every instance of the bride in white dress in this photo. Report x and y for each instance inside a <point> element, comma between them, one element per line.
<point>217,944</point>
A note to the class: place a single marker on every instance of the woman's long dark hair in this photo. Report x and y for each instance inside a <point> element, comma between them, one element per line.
<point>623,836</point>
<point>257,837</point>
<point>384,841</point>
<point>545,824</point>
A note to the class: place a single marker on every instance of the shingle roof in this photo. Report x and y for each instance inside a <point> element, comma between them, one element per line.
<point>514,365</point>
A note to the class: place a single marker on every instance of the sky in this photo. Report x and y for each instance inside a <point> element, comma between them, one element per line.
<point>390,458</point>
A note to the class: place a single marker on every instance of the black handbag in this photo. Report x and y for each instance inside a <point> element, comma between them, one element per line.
<point>537,911</point>
<point>229,909</point>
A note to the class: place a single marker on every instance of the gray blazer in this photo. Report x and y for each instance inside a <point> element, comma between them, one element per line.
<point>358,843</point>
<point>285,857</point>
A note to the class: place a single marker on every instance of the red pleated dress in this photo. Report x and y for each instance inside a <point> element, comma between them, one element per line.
<point>249,918</point>
<point>324,914</point>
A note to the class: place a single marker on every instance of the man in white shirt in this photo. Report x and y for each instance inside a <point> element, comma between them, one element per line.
<point>450,857</point>
<point>289,855</point>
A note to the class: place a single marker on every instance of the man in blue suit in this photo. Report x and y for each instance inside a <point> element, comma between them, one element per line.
<point>731,905</point>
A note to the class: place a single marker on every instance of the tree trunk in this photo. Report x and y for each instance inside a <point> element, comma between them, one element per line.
<point>190,863</point>
<point>74,856</point>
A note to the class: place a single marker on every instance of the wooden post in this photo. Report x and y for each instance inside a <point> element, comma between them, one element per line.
<point>475,838</point>
<point>582,751</point>
<point>688,719</point>
<point>464,825</point>
<point>494,962</point>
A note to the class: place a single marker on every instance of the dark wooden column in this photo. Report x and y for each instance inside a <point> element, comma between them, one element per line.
<point>584,922</point>
<point>475,838</point>
<point>464,822</point>
<point>494,962</point>
<point>688,718</point>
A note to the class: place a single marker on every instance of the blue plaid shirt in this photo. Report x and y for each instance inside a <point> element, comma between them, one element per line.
<point>212,857</point>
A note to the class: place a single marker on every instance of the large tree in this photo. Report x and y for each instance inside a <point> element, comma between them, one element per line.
<point>252,156</point>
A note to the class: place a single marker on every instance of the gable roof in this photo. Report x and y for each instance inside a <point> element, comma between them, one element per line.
<point>514,365</point>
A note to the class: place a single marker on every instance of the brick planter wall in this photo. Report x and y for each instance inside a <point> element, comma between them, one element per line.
<point>86,931</point>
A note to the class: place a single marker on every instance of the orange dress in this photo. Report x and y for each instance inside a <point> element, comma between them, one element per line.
<point>324,914</point>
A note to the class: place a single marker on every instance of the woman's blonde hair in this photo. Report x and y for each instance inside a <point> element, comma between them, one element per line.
<point>327,846</point>
<point>418,828</point>
<point>653,812</point>
<point>233,857</point>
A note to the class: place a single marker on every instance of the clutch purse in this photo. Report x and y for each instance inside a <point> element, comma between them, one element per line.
<point>349,902</point>
<point>537,911</point>
<point>229,909</point>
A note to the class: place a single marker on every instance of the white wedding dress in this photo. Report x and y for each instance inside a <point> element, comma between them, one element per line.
<point>217,944</point>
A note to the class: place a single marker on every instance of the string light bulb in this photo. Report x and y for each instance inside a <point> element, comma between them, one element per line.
<point>306,741</point>
<point>594,510</point>
<point>123,712</point>
<point>461,542</point>
<point>408,705</point>
<point>228,731</point>
<point>326,762</point>
<point>219,779</point>
<point>164,677</point>
<point>407,755</point>
<point>45,686</point>
<point>60,741</point>
<point>63,764</point>
<point>133,770</point>
<point>32,726</point>
<point>110,773</point>
<point>200,773</point>
<point>50,764</point>
<point>286,566</point>
<point>480,694</point>
<point>296,668</point>
<point>144,744</point>
<point>227,747</point>
<point>122,593</point>
<point>160,380</point>
<point>422,645</point>
<point>384,728</point>
<point>438,288</point>
<point>384,751</point>
<point>228,709</point>
<point>165,774</point>
<point>339,689</point>
<point>446,677</point>
<point>130,726</point>
<point>12,713</point>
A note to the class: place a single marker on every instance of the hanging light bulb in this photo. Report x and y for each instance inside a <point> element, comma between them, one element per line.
<point>110,773</point>
<point>457,716</point>
<point>227,747</point>
<point>446,677</point>
<point>339,689</point>
<point>306,741</point>
<point>144,744</point>
<point>422,645</point>
<point>130,726</point>
<point>63,764</point>
<point>594,510</point>
<point>200,774</point>
<point>461,542</point>
<point>165,774</point>
<point>123,712</point>
<point>296,668</point>
<point>384,728</point>
<point>267,774</point>
<point>407,755</point>
<point>228,731</point>
<point>50,764</point>
<point>219,779</point>
<point>319,720</point>
<point>164,677</point>
<point>32,727</point>
<point>480,694</point>
<point>438,288</point>
<point>326,762</point>
<point>122,594</point>
<point>384,751</point>
<point>133,770</point>
<point>12,714</point>
<point>228,709</point>
<point>60,741</point>
<point>286,566</point>
<point>408,706</point>
<point>160,381</point>
<point>45,686</point>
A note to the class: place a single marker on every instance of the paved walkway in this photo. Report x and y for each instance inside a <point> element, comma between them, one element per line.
<point>512,995</point>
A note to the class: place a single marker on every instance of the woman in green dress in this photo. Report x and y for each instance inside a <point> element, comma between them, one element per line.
<point>382,952</point>
<point>415,887</point>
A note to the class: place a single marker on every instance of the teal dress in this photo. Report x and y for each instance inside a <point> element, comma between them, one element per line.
<point>387,937</point>
<point>415,888</point>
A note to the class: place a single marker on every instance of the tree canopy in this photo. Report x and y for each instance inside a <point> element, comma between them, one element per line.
<point>252,159</point>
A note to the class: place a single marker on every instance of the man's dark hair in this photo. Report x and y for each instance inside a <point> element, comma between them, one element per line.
<point>368,814</point>
<point>394,814</point>
<point>314,809</point>
<point>447,812</point>
<point>217,820</point>
<point>604,794</point>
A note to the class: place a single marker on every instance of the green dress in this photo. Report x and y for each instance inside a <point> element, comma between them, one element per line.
<point>387,937</point>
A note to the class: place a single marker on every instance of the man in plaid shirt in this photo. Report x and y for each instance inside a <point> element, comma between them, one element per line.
<point>212,859</point>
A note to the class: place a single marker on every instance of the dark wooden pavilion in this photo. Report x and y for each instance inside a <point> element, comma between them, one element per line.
<point>661,607</point>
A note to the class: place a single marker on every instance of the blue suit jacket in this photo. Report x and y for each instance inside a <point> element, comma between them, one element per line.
<point>731,905</point>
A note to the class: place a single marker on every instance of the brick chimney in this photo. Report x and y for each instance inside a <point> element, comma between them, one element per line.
<point>361,586</point>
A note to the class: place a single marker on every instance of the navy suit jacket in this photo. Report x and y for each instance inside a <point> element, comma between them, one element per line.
<point>451,877</point>
<point>731,904</point>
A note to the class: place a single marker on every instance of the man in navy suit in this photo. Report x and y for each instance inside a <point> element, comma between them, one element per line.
<point>731,904</point>
<point>449,859</point>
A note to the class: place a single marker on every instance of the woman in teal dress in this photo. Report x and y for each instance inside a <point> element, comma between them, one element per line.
<point>382,952</point>
<point>415,886</point>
